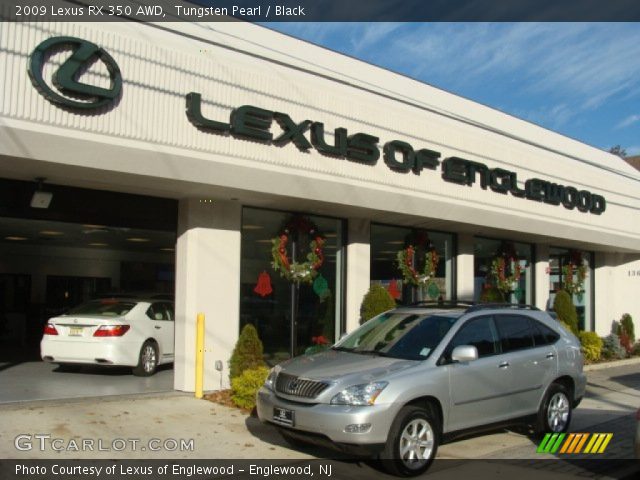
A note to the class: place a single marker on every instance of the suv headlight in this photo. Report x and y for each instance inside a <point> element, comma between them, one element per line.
<point>364,394</point>
<point>270,382</point>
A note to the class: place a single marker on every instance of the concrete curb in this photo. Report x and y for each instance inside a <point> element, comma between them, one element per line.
<point>615,363</point>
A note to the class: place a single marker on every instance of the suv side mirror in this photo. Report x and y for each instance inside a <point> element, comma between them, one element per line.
<point>464,353</point>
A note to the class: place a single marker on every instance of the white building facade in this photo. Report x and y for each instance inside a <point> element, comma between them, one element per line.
<point>252,132</point>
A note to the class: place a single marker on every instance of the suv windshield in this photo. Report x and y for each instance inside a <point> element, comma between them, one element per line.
<point>103,308</point>
<point>399,335</point>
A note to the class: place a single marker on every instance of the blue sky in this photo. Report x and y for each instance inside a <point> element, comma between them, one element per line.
<point>579,79</point>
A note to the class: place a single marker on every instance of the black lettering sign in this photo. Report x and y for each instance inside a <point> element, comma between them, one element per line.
<point>408,156</point>
<point>363,148</point>
<point>339,147</point>
<point>194,114</point>
<point>252,122</point>
<point>292,132</point>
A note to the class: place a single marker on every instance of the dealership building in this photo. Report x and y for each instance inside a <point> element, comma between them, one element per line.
<point>205,159</point>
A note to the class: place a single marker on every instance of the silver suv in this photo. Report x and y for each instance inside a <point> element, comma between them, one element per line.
<point>413,376</point>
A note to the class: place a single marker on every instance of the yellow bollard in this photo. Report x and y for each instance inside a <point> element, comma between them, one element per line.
<point>199,355</point>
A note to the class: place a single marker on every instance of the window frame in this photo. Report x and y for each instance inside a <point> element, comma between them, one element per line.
<point>443,360</point>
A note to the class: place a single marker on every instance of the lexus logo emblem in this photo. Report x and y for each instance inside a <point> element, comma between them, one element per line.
<point>71,92</point>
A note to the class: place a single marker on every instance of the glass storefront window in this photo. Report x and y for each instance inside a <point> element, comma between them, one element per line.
<point>506,284</point>
<point>266,298</point>
<point>387,241</point>
<point>565,267</point>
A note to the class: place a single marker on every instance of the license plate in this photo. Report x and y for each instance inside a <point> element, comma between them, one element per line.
<point>283,416</point>
<point>75,331</point>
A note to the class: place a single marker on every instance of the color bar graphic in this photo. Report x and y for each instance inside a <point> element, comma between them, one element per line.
<point>573,443</point>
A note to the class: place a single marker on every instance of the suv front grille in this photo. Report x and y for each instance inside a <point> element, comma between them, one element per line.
<point>296,386</point>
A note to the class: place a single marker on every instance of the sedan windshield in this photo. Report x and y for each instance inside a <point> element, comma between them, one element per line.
<point>399,335</point>
<point>103,308</point>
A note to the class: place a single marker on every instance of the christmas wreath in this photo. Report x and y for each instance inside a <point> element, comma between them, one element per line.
<point>574,272</point>
<point>408,260</point>
<point>506,269</point>
<point>297,227</point>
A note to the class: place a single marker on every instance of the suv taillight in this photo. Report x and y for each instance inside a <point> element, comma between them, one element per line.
<point>49,329</point>
<point>112,330</point>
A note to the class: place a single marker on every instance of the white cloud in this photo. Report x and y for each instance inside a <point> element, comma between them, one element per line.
<point>627,122</point>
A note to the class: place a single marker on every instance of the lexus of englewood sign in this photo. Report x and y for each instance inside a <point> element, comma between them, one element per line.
<point>254,123</point>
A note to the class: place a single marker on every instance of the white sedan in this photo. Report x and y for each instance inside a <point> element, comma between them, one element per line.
<point>113,331</point>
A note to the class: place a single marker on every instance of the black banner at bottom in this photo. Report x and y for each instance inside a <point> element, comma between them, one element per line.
<point>442,469</point>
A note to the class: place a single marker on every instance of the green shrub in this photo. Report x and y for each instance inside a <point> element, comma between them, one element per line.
<point>248,352</point>
<point>611,347</point>
<point>245,387</point>
<point>376,301</point>
<point>566,310</point>
<point>591,345</point>
<point>491,295</point>
<point>626,326</point>
<point>635,351</point>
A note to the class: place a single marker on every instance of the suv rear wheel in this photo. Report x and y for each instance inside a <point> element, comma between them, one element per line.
<point>555,412</point>
<point>412,442</point>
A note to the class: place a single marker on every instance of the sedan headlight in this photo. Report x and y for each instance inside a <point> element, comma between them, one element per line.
<point>270,382</point>
<point>364,394</point>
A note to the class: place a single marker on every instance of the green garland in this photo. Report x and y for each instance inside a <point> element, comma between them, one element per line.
<point>410,274</point>
<point>302,272</point>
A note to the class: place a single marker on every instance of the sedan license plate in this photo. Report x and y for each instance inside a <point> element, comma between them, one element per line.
<point>283,416</point>
<point>75,331</point>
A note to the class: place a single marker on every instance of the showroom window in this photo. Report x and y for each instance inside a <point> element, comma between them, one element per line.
<point>412,264</point>
<point>572,270</point>
<point>503,271</point>
<point>291,280</point>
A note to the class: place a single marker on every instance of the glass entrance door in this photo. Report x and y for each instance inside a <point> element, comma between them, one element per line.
<point>292,312</point>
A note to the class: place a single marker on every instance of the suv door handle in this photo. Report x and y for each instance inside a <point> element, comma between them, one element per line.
<point>503,365</point>
<point>550,355</point>
<point>157,327</point>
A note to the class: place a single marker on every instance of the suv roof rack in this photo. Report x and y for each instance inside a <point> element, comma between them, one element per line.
<point>487,306</point>
<point>470,306</point>
<point>441,304</point>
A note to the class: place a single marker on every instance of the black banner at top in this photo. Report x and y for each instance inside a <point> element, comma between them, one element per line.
<point>322,10</point>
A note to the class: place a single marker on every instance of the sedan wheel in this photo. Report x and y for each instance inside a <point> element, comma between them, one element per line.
<point>148,360</point>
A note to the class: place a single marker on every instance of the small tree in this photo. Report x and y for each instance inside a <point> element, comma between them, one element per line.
<point>247,354</point>
<point>626,327</point>
<point>611,347</point>
<point>619,151</point>
<point>566,310</point>
<point>376,301</point>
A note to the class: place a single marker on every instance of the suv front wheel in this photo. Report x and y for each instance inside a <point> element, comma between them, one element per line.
<point>555,411</point>
<point>412,443</point>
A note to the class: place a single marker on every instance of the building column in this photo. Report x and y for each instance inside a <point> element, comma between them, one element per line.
<point>541,275</point>
<point>358,269</point>
<point>465,268</point>
<point>207,281</point>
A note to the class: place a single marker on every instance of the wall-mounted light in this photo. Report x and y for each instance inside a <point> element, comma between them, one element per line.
<point>41,199</point>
